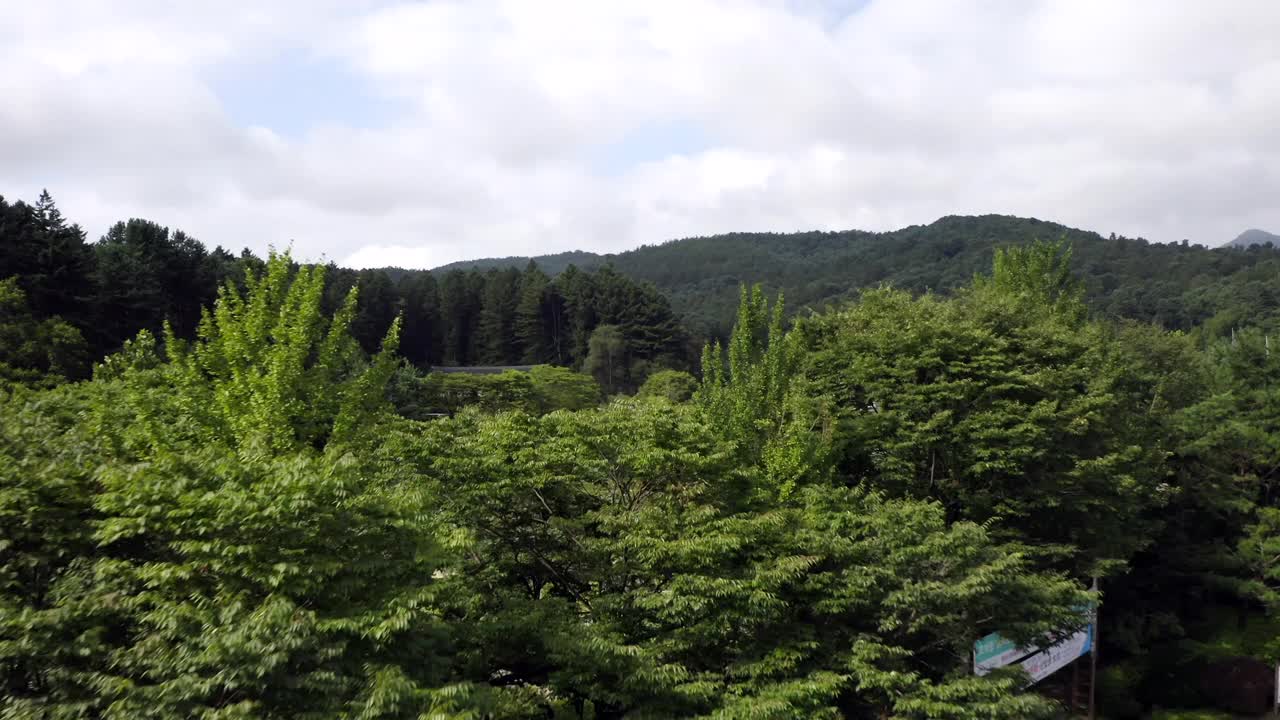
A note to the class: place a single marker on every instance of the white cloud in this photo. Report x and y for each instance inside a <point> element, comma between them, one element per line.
<point>1147,118</point>
<point>392,256</point>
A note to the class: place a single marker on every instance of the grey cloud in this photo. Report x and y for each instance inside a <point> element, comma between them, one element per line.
<point>1147,118</point>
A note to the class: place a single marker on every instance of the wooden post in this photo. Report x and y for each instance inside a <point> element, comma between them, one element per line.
<point>1073,703</point>
<point>1093,659</point>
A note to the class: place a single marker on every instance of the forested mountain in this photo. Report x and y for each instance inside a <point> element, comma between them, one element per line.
<point>661,299</point>
<point>551,264</point>
<point>1179,286</point>
<point>68,302</point>
<point>1254,236</point>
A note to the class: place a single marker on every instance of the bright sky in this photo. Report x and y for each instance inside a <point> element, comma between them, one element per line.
<point>418,133</point>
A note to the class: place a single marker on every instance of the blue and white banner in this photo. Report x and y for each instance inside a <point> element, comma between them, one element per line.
<point>1052,659</point>
<point>995,651</point>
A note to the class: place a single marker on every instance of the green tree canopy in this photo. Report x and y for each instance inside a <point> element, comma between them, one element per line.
<point>673,385</point>
<point>607,358</point>
<point>198,538</point>
<point>34,351</point>
<point>619,561</point>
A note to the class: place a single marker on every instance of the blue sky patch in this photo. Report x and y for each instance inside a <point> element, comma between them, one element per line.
<point>649,142</point>
<point>296,91</point>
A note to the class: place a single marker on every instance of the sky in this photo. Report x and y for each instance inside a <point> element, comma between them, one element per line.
<point>419,133</point>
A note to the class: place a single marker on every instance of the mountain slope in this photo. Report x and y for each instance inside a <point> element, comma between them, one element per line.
<point>1254,236</point>
<point>550,264</point>
<point>1179,286</point>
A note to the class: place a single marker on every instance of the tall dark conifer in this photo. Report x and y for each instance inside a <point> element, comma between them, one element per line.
<point>497,343</point>
<point>376,307</point>
<point>53,263</point>
<point>460,309</point>
<point>538,318</point>
<point>146,275</point>
<point>421,334</point>
<point>578,290</point>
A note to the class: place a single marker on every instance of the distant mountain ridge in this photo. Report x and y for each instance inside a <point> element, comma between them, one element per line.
<point>1254,236</point>
<point>550,264</point>
<point>1170,284</point>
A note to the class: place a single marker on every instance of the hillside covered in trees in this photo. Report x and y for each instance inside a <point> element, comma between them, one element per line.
<point>228,489</point>
<point>1178,286</point>
<point>68,302</point>
<point>657,303</point>
<point>1254,236</point>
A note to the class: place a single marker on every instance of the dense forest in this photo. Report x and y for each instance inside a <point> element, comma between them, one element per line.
<point>67,302</point>
<point>236,487</point>
<point>1179,286</point>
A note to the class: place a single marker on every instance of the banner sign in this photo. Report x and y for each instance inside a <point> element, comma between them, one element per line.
<point>995,651</point>
<point>1052,659</point>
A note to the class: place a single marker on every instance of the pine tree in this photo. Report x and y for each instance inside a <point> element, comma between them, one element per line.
<point>422,336</point>
<point>537,319</point>
<point>147,275</point>
<point>460,311</point>
<point>496,341</point>
<point>377,309</point>
<point>50,258</point>
<point>607,360</point>
<point>48,212</point>
<point>578,290</point>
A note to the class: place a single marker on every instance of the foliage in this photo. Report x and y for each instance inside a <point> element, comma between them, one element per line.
<point>1039,274</point>
<point>50,259</point>
<point>422,333</point>
<point>202,583</point>
<point>607,359</point>
<point>1169,392</point>
<point>147,276</point>
<point>1191,715</point>
<point>377,307</point>
<point>497,340</point>
<point>252,370</point>
<point>674,385</point>
<point>543,389</point>
<point>1260,551</point>
<point>162,555</point>
<point>228,521</point>
<point>1117,690</point>
<point>32,351</point>
<point>616,559</point>
<point>136,355</point>
<point>758,398</point>
<point>449,393</point>
<point>538,315</point>
<point>141,275</point>
<point>997,412</point>
<point>557,388</point>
